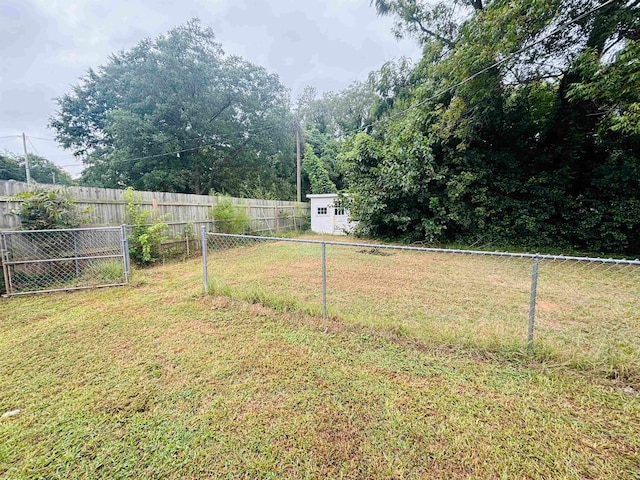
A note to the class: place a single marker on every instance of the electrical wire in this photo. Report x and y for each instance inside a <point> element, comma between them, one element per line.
<point>7,139</point>
<point>32,145</point>
<point>42,138</point>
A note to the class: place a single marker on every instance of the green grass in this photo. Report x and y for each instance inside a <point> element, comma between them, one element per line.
<point>587,314</point>
<point>157,381</point>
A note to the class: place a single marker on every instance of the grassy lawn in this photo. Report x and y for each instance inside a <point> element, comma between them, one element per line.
<point>587,314</point>
<point>157,381</point>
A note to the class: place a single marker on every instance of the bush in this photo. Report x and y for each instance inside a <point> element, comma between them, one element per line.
<point>148,233</point>
<point>230,218</point>
<point>47,209</point>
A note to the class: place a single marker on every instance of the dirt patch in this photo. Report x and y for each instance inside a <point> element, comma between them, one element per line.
<point>545,306</point>
<point>260,310</point>
<point>215,302</point>
<point>376,251</point>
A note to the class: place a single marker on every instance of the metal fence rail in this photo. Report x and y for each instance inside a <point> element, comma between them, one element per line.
<point>578,308</point>
<point>37,261</point>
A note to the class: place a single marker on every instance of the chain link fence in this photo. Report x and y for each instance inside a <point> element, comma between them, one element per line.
<point>583,311</point>
<point>181,239</point>
<point>36,261</point>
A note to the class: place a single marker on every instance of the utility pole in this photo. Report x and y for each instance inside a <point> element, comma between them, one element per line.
<point>26,159</point>
<point>299,178</point>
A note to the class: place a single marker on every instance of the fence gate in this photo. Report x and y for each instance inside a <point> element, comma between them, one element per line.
<point>67,259</point>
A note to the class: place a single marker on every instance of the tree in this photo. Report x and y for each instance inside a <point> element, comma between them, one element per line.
<point>324,124</point>
<point>428,21</point>
<point>316,172</point>
<point>177,114</point>
<point>12,167</point>
<point>540,149</point>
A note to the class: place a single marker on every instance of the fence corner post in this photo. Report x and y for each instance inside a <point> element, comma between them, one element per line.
<point>532,303</point>
<point>125,253</point>
<point>205,275</point>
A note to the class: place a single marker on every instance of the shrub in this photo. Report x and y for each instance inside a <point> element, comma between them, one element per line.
<point>47,209</point>
<point>144,242</point>
<point>230,218</point>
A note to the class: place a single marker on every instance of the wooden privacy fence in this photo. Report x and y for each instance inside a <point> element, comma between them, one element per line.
<point>106,206</point>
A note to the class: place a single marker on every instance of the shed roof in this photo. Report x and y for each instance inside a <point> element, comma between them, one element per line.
<point>322,195</point>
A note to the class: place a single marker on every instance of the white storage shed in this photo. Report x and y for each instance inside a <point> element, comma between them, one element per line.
<point>328,216</point>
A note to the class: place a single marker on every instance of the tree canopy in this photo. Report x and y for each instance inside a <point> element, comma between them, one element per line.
<point>177,114</point>
<point>12,167</point>
<point>519,126</point>
<point>324,123</point>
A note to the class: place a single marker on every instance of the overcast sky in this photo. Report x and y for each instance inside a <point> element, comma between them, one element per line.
<point>46,45</point>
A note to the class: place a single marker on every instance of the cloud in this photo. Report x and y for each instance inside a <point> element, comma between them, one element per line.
<point>47,45</point>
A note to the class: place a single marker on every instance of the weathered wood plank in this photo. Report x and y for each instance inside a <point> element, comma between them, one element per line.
<point>106,206</point>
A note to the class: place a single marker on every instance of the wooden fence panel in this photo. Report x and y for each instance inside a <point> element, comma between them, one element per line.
<point>106,206</point>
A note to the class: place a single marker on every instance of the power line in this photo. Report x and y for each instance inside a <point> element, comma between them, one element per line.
<point>7,139</point>
<point>484,70</point>
<point>395,115</point>
<point>42,138</point>
<point>32,145</point>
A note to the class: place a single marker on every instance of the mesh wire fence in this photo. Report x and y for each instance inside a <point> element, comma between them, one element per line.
<point>586,311</point>
<point>181,240</point>
<point>590,310</point>
<point>450,299</point>
<point>50,260</point>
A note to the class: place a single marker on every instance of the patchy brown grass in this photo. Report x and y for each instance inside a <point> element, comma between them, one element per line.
<point>587,314</point>
<point>157,381</point>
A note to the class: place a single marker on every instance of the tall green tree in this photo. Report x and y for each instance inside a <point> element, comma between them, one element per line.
<point>317,173</point>
<point>540,149</point>
<point>324,124</point>
<point>177,114</point>
<point>10,168</point>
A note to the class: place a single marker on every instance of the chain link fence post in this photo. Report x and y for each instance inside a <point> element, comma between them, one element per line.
<point>125,254</point>
<point>324,281</point>
<point>4,258</point>
<point>532,303</point>
<point>205,274</point>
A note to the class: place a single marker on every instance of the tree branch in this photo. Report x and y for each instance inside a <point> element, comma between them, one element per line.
<point>435,35</point>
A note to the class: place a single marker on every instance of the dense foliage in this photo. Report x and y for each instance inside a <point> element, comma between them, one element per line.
<point>177,114</point>
<point>508,131</point>
<point>324,123</point>
<point>542,150</point>
<point>316,172</point>
<point>12,167</point>
<point>230,218</point>
<point>147,229</point>
<point>41,209</point>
